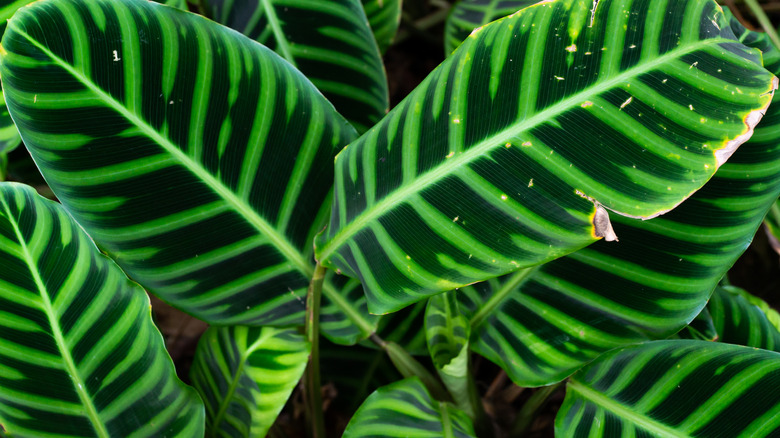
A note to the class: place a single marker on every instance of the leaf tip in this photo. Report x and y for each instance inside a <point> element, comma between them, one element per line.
<point>602,226</point>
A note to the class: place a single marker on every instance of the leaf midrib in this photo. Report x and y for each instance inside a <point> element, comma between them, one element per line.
<point>290,252</point>
<point>56,330</point>
<point>447,167</point>
<point>651,425</point>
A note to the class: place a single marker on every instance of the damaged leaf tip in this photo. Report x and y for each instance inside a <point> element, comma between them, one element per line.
<point>602,226</point>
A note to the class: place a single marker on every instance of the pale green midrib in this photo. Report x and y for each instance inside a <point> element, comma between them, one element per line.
<point>497,298</point>
<point>655,427</point>
<point>244,210</point>
<point>479,150</point>
<point>70,365</point>
<point>446,422</point>
<point>281,38</point>
<point>228,398</point>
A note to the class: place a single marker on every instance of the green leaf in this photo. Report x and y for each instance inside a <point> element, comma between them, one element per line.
<point>468,15</point>
<point>743,319</point>
<point>384,16</point>
<point>447,332</point>
<point>503,157</point>
<point>9,136</point>
<point>406,409</point>
<point>701,328</point>
<point>340,311</point>
<point>329,41</point>
<point>772,223</point>
<point>79,353</point>
<point>245,376</point>
<point>196,158</point>
<point>675,389</point>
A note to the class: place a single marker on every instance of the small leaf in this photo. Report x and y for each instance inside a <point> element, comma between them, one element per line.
<point>384,16</point>
<point>742,319</point>
<point>406,409</point>
<point>468,15</point>
<point>245,376</point>
<point>674,389</point>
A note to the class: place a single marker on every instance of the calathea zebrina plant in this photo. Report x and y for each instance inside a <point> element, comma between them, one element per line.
<point>565,191</point>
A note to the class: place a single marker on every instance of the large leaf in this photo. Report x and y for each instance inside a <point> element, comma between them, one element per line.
<point>245,376</point>
<point>542,325</point>
<point>384,16</point>
<point>406,409</point>
<point>675,389</point>
<point>503,157</point>
<point>743,319</point>
<point>195,157</point>
<point>329,41</point>
<point>79,353</point>
<point>468,15</point>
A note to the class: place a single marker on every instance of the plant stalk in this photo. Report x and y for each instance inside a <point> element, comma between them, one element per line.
<point>531,408</point>
<point>763,20</point>
<point>408,366</point>
<point>315,417</point>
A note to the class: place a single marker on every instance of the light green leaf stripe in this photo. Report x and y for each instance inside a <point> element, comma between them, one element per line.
<point>79,353</point>
<point>406,409</point>
<point>675,389</point>
<point>196,158</point>
<point>501,157</point>
<point>542,327</point>
<point>384,16</point>
<point>9,136</point>
<point>742,319</point>
<point>245,376</point>
<point>468,15</point>
<point>329,41</point>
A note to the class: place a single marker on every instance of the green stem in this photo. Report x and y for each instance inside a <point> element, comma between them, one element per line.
<point>316,422</point>
<point>408,366</point>
<point>497,298</point>
<point>532,407</point>
<point>420,26</point>
<point>763,20</point>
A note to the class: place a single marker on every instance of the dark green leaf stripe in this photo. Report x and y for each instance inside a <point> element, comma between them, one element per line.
<point>384,16</point>
<point>675,389</point>
<point>468,15</point>
<point>334,322</point>
<point>502,156</point>
<point>79,353</point>
<point>701,328</point>
<point>245,376</point>
<point>742,319</point>
<point>329,41</point>
<point>406,409</point>
<point>542,325</point>
<point>195,157</point>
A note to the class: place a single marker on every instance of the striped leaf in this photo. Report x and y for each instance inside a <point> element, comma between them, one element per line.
<point>79,353</point>
<point>447,332</point>
<point>245,376</point>
<point>195,157</point>
<point>9,136</point>
<point>742,319</point>
<point>330,42</point>
<point>772,224</point>
<point>340,311</point>
<point>541,325</point>
<point>384,16</point>
<point>468,15</point>
<point>406,328</point>
<point>675,389</point>
<point>406,409</point>
<point>503,157</point>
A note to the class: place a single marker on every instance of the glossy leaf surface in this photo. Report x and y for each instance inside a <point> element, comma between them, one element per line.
<point>406,409</point>
<point>467,15</point>
<point>503,156</point>
<point>329,41</point>
<point>79,353</point>
<point>742,319</point>
<point>245,376</point>
<point>384,16</point>
<point>541,326</point>
<point>9,136</point>
<point>195,157</point>
<point>675,389</point>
